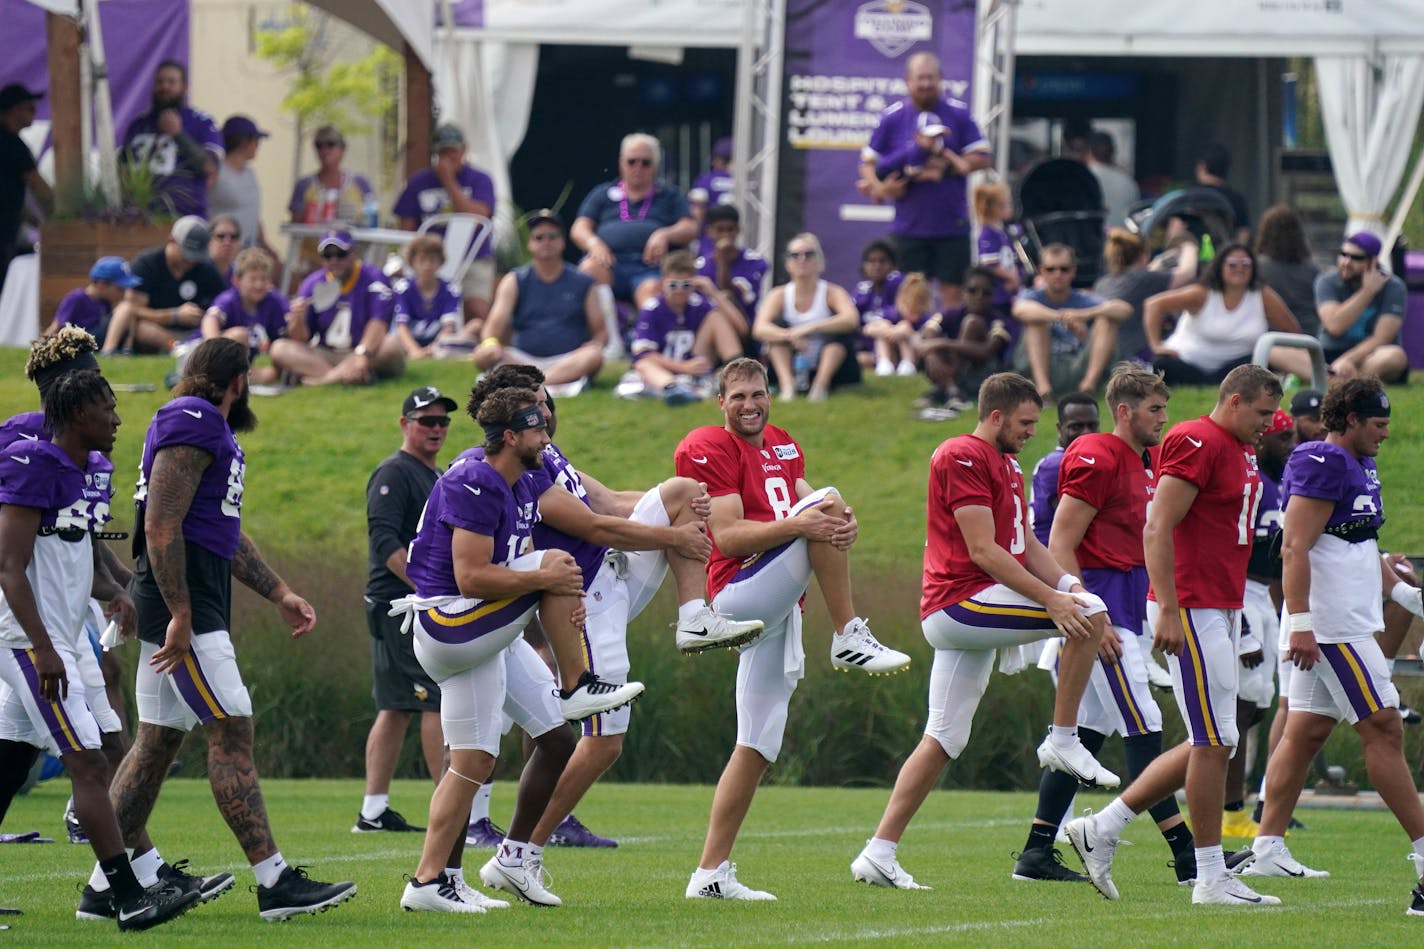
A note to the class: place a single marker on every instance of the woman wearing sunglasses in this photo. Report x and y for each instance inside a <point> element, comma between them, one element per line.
<point>808,320</point>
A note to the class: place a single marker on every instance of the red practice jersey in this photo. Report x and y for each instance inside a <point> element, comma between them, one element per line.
<point>765,479</point>
<point>1213,541</point>
<point>1102,470</point>
<point>968,471</point>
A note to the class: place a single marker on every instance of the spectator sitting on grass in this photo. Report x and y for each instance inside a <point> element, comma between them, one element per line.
<point>250,311</point>
<point>92,306</point>
<point>427,309</point>
<point>875,293</point>
<point>687,330</point>
<point>896,331</point>
<point>1069,336</point>
<point>962,348</point>
<point>224,241</point>
<point>179,284</point>
<point>338,321</point>
<point>739,272</point>
<point>1131,280</point>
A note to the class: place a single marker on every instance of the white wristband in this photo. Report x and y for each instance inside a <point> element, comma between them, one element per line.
<point>1067,581</point>
<point>1302,622</point>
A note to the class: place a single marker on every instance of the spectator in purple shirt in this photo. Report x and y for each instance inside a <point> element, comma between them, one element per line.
<point>874,295</point>
<point>896,331</point>
<point>714,186</point>
<point>180,145</point>
<point>993,248</point>
<point>250,311</point>
<point>346,303</point>
<point>687,330</point>
<point>427,309</point>
<point>90,307</point>
<point>941,145</point>
<point>960,349</point>
<point>736,271</point>
<point>450,186</point>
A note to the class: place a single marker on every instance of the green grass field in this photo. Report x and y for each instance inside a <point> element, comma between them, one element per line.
<point>797,843</point>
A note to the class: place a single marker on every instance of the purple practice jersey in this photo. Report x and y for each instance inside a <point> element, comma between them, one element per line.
<point>928,208</point>
<point>264,324</point>
<point>214,519</point>
<point>88,313</point>
<point>994,248</point>
<point>746,277</point>
<point>1045,493</point>
<point>877,301</point>
<point>29,426</point>
<point>177,182</point>
<point>38,474</point>
<point>424,196</point>
<point>661,329</point>
<point>365,297</point>
<point>422,317</point>
<point>472,496</point>
<point>1330,473</point>
<point>711,187</point>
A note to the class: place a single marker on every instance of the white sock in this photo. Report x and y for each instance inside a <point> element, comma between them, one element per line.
<point>690,609</point>
<point>510,853</point>
<point>1263,842</point>
<point>374,805</point>
<point>1211,863</point>
<point>1113,819</point>
<point>1419,847</point>
<point>267,871</point>
<point>702,873</point>
<point>479,807</point>
<point>454,874</point>
<point>97,880</point>
<point>1063,736</point>
<point>145,867</point>
<point>878,848</point>
<point>533,851</point>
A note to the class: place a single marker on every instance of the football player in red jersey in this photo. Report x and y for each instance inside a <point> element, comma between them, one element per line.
<point>988,584</point>
<point>771,531</point>
<point>1197,543</point>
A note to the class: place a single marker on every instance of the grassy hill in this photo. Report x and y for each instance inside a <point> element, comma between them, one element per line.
<point>307,465</point>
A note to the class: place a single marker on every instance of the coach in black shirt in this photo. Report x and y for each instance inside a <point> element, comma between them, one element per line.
<point>395,496</point>
<point>18,174</point>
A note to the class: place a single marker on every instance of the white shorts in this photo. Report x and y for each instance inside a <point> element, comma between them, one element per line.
<point>95,694</point>
<point>1258,685</point>
<point>1351,682</point>
<point>61,728</point>
<point>958,679</point>
<point>992,618</point>
<point>622,589</point>
<point>206,687</point>
<point>529,698</point>
<point>1118,699</point>
<point>1204,676</point>
<point>769,587</point>
<point>464,632</point>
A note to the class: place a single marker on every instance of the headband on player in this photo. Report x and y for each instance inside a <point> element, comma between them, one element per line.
<point>525,418</point>
<point>1372,404</point>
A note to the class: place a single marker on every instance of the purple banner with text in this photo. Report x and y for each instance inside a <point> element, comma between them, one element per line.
<point>844,63</point>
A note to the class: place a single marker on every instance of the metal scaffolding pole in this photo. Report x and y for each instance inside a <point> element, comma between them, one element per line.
<point>757,120</point>
<point>994,76</point>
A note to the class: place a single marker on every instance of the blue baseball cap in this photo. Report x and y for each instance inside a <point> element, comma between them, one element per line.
<point>114,270</point>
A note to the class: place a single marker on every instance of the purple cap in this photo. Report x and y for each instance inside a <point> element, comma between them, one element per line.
<point>114,270</point>
<point>340,239</point>
<point>1366,242</point>
<point>722,148</point>
<point>240,126</point>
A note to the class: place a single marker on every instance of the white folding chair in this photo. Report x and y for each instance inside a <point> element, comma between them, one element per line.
<point>1262,353</point>
<point>464,235</point>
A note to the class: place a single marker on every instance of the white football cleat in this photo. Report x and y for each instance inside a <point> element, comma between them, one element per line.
<point>1228,890</point>
<point>471,895</point>
<point>722,884</point>
<point>438,896</point>
<point>1278,862</point>
<point>867,869</point>
<point>709,629</point>
<point>857,648</point>
<point>1158,675</point>
<point>1077,762</point>
<point>593,695</point>
<point>525,881</point>
<point>1096,850</point>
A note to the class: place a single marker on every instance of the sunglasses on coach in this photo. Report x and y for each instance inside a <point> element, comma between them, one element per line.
<point>431,421</point>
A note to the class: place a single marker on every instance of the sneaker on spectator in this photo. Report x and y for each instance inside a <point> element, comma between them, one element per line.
<point>884,367</point>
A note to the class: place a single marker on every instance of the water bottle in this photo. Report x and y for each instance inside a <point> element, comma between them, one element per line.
<point>371,212</point>
<point>802,365</point>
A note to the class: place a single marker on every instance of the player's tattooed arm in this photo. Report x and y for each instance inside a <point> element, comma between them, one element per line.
<point>172,484</point>
<point>249,569</point>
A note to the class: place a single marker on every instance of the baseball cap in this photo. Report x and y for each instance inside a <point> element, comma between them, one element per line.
<point>1306,402</point>
<point>1280,422</point>
<point>722,148</point>
<point>338,238</point>
<point>1366,242</point>
<point>447,136</point>
<point>544,216</point>
<point>114,270</point>
<point>190,233</point>
<point>13,94</point>
<point>426,395</point>
<point>240,126</point>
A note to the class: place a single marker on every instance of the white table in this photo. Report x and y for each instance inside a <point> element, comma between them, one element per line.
<point>378,241</point>
<point>20,302</point>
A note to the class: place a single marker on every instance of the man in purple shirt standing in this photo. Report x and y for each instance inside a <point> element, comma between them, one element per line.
<point>449,186</point>
<point>180,145</point>
<point>338,321</point>
<point>941,145</point>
